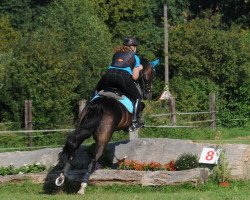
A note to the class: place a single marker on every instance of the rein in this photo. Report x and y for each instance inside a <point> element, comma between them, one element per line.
<point>145,84</point>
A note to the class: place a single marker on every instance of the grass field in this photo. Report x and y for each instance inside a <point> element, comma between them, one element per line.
<point>239,190</point>
<point>239,135</point>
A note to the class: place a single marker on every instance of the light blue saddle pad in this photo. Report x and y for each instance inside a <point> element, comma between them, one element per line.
<point>123,100</point>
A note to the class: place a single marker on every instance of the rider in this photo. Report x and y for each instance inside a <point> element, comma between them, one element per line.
<point>122,74</point>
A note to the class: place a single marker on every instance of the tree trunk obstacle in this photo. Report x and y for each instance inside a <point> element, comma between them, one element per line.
<point>126,177</point>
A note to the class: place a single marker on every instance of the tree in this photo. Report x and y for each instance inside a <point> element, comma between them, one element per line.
<point>143,19</point>
<point>204,48</point>
<point>232,11</point>
<point>8,39</point>
<point>57,64</point>
<point>23,12</point>
<point>237,11</point>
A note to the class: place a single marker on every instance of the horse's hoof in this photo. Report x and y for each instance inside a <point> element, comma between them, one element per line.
<point>82,188</point>
<point>81,191</point>
<point>60,180</point>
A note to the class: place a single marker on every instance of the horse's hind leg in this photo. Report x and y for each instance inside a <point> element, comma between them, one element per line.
<point>91,168</point>
<point>100,146</point>
<point>73,142</point>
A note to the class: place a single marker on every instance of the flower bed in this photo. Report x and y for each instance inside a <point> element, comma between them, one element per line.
<point>151,166</point>
<point>183,162</point>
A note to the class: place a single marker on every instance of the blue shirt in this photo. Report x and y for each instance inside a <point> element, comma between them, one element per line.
<point>128,69</point>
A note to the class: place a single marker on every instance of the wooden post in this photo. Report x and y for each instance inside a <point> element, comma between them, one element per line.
<point>166,93</point>
<point>28,121</point>
<point>212,110</point>
<point>171,104</point>
<point>166,44</point>
<point>82,105</point>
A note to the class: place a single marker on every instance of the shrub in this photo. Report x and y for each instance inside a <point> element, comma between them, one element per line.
<point>192,94</point>
<point>22,170</point>
<point>221,172</point>
<point>207,56</point>
<point>186,161</point>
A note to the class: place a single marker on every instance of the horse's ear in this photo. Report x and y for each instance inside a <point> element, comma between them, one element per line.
<point>154,63</point>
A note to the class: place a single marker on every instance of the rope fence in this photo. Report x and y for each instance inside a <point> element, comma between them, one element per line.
<point>37,131</point>
<point>179,113</point>
<point>168,126</point>
<point>3,133</point>
<point>173,118</point>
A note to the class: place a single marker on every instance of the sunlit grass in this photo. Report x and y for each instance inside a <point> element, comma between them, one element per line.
<point>27,190</point>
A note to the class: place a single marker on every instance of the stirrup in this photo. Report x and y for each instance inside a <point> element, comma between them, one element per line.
<point>135,126</point>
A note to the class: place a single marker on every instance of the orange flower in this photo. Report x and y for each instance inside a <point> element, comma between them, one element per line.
<point>166,167</point>
<point>135,165</point>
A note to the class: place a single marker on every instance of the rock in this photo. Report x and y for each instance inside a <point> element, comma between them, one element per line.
<point>164,150</point>
<point>48,157</point>
<point>143,150</point>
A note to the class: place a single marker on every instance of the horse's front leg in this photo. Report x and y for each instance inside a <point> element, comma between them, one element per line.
<point>91,167</point>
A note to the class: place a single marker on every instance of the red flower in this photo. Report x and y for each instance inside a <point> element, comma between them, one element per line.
<point>135,165</point>
<point>172,167</point>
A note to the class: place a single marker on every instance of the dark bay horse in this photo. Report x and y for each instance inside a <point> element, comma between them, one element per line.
<point>100,119</point>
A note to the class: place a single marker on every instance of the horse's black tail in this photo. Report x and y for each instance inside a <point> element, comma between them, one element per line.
<point>92,118</point>
<point>84,128</point>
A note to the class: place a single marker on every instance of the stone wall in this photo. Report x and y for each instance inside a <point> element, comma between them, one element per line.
<point>144,150</point>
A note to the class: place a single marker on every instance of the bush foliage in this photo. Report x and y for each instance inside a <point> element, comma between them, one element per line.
<point>186,161</point>
<point>34,168</point>
<point>53,53</point>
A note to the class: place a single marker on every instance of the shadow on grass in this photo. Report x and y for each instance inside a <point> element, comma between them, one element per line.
<point>82,158</point>
<point>68,187</point>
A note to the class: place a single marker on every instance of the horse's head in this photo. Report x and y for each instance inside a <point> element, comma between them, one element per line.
<point>146,77</point>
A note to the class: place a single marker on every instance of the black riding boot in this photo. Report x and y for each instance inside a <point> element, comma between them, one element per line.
<point>136,123</point>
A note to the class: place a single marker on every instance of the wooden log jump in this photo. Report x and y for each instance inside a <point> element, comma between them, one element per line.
<point>109,177</point>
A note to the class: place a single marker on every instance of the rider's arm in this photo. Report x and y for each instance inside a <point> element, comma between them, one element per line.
<point>137,68</point>
<point>136,72</point>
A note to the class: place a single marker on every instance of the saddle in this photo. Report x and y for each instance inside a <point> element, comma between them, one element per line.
<point>117,95</point>
<point>113,93</point>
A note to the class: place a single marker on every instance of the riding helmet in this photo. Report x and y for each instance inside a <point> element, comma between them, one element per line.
<point>130,41</point>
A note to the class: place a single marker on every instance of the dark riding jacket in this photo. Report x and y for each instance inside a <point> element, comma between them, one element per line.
<point>119,75</point>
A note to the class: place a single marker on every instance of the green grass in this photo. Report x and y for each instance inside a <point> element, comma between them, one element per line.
<point>240,135</point>
<point>27,190</point>
<point>218,136</point>
<point>240,140</point>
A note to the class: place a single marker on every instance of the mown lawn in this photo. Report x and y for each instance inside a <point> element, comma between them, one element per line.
<point>240,135</point>
<point>239,190</point>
